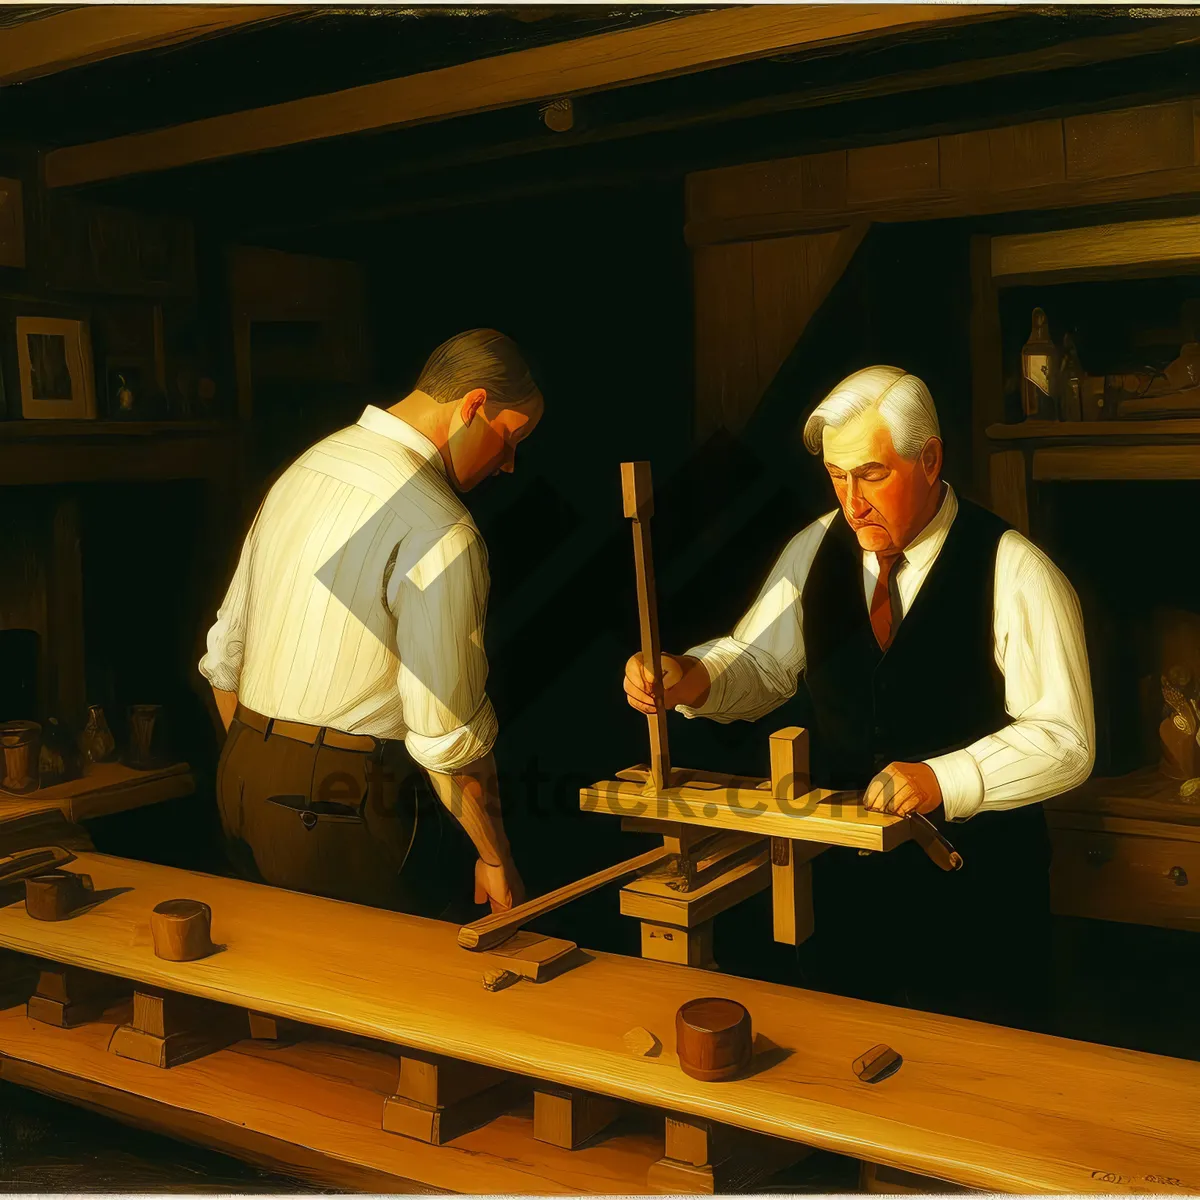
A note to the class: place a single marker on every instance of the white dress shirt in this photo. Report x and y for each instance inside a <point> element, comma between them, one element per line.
<point>1037,626</point>
<point>307,631</point>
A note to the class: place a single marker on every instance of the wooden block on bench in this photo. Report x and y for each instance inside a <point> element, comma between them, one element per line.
<point>70,996</point>
<point>169,1028</point>
<point>568,1117</point>
<point>704,1157</point>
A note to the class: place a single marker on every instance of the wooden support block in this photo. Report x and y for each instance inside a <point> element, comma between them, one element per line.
<point>650,899</point>
<point>790,776</point>
<point>436,1082</point>
<point>18,978</point>
<point>791,893</point>
<point>70,996</point>
<point>533,955</point>
<point>169,1028</point>
<point>569,1118</point>
<point>704,1157</point>
<point>265,1028</point>
<point>673,944</point>
<point>438,1124</point>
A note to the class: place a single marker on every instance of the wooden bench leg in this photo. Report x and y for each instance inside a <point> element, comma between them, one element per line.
<point>568,1117</point>
<point>169,1028</point>
<point>437,1098</point>
<point>703,1157</point>
<point>674,944</point>
<point>71,996</point>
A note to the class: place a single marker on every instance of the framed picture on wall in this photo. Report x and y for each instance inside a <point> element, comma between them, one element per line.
<point>55,359</point>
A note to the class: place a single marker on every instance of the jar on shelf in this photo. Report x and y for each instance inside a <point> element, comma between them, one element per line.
<point>1039,372</point>
<point>96,742</point>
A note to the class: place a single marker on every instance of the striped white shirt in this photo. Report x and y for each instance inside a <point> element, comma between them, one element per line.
<point>359,599</point>
<point>1039,646</point>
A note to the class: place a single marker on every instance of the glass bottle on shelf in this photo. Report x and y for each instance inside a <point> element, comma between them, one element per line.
<point>1070,382</point>
<point>96,742</point>
<point>1039,371</point>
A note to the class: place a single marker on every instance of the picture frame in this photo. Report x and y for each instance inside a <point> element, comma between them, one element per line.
<point>54,356</point>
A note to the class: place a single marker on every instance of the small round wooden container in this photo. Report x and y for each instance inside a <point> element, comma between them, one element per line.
<point>713,1038</point>
<point>55,895</point>
<point>182,930</point>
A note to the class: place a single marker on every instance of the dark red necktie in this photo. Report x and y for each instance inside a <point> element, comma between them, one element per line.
<point>883,620</point>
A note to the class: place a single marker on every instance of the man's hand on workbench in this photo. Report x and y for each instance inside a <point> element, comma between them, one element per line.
<point>501,886</point>
<point>904,788</point>
<point>685,681</point>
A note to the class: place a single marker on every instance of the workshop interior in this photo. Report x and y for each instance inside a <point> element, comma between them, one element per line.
<point>271,277</point>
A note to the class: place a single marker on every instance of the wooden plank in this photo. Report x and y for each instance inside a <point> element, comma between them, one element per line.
<point>1028,155</point>
<point>1129,141</point>
<point>311,1111</point>
<point>726,346</point>
<point>974,1104</point>
<point>1117,462</point>
<point>892,171</point>
<point>1173,242</point>
<point>1007,488</point>
<point>655,51</point>
<point>818,817</point>
<point>61,41</point>
<point>99,461</point>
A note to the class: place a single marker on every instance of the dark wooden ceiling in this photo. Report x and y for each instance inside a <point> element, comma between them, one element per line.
<point>1034,63</point>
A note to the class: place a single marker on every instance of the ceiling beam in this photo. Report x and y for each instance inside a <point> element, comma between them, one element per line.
<point>655,51</point>
<point>62,40</point>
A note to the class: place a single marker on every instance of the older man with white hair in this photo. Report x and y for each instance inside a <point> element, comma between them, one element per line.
<point>945,661</point>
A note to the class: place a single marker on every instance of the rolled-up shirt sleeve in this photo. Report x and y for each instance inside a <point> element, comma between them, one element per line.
<point>1050,745</point>
<point>438,593</point>
<point>226,643</point>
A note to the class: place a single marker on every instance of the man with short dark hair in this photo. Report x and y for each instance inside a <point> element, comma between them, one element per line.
<point>348,651</point>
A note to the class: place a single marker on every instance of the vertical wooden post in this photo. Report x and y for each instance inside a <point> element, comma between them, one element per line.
<point>1008,495</point>
<point>791,872</point>
<point>638,495</point>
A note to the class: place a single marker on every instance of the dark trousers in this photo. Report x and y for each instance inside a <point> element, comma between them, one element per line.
<point>974,943</point>
<point>357,825</point>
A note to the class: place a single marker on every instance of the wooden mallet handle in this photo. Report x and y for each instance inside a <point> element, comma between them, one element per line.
<point>638,494</point>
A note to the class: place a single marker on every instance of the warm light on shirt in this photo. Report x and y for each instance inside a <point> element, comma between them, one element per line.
<point>1037,627</point>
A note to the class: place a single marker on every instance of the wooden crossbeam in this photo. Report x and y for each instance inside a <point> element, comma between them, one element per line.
<point>91,32</point>
<point>655,51</point>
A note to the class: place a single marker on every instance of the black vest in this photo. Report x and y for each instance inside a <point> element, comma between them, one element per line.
<point>935,689</point>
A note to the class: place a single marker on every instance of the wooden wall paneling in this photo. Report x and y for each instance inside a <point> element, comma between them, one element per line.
<point>23,590</point>
<point>775,187</point>
<point>892,171</point>
<point>1027,155</point>
<point>1009,497</point>
<point>726,345</point>
<point>987,362</point>
<point>1117,462</point>
<point>823,180</point>
<point>965,162</point>
<point>1130,141</point>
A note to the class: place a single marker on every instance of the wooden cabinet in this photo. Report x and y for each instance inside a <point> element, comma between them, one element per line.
<point>1126,850</point>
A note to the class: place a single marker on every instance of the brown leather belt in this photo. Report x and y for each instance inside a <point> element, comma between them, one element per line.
<point>297,731</point>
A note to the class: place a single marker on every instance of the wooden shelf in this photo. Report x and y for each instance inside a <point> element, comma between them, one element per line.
<point>106,788</point>
<point>60,452</point>
<point>1103,431</point>
<point>26,430</point>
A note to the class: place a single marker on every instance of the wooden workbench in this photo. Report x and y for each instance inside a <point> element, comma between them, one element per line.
<point>972,1104</point>
<point>106,788</point>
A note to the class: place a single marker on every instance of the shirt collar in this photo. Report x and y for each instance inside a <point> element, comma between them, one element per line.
<point>388,425</point>
<point>927,545</point>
